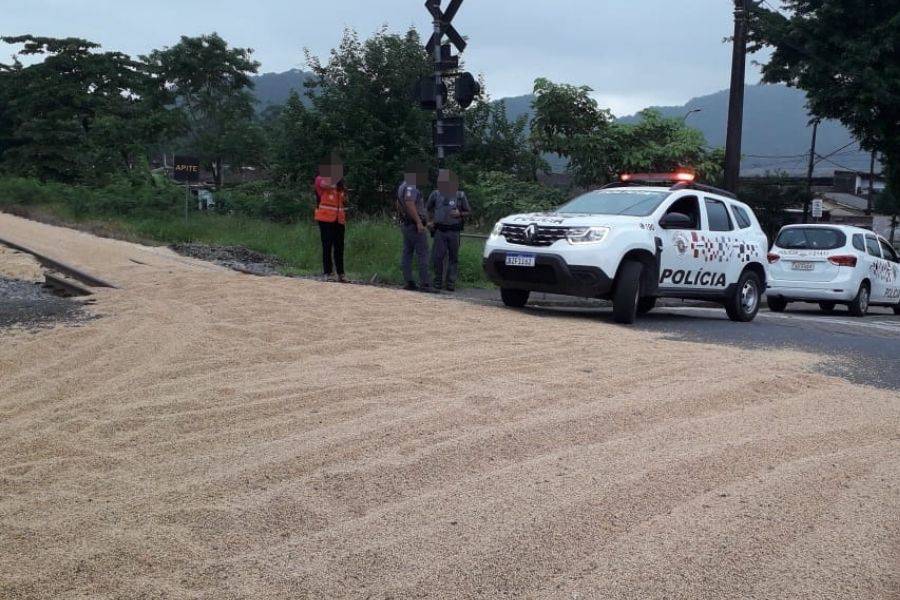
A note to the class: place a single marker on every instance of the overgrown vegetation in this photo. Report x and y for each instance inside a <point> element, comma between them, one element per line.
<point>373,246</point>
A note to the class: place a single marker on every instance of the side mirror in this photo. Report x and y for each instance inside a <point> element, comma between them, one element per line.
<point>676,220</point>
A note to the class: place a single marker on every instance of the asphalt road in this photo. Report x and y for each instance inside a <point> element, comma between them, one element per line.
<point>862,350</point>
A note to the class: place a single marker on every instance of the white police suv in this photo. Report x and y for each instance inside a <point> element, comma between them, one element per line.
<point>833,264</point>
<point>645,237</point>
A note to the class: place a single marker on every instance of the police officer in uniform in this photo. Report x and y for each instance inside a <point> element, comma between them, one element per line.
<point>447,208</point>
<point>412,215</point>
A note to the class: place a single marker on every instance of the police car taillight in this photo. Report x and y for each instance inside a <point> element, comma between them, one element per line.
<point>843,261</point>
<point>773,258</point>
<point>677,177</point>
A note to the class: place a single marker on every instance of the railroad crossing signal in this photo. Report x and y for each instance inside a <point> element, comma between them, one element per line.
<point>431,92</point>
<point>445,19</point>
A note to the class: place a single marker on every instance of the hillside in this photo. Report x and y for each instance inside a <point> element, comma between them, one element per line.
<point>275,88</point>
<point>776,131</point>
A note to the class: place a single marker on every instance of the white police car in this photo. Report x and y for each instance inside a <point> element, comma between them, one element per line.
<point>833,264</point>
<point>645,237</point>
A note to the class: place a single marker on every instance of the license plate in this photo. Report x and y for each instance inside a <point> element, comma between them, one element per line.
<point>803,266</point>
<point>520,260</point>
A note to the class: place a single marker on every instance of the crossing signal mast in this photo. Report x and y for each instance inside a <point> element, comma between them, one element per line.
<point>432,92</point>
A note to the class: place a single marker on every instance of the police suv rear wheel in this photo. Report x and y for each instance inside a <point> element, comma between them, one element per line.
<point>777,304</point>
<point>744,303</point>
<point>628,292</point>
<point>514,298</point>
<point>646,304</point>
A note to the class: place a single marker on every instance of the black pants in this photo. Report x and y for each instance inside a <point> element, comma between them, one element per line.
<point>332,247</point>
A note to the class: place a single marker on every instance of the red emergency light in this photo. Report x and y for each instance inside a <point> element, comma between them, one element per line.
<point>676,177</point>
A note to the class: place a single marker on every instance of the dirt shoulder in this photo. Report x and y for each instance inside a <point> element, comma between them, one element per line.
<point>229,436</point>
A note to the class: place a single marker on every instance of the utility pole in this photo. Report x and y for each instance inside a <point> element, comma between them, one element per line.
<point>736,99</point>
<point>810,170</point>
<point>870,204</point>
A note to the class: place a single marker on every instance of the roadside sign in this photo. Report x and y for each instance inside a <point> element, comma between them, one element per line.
<point>187,169</point>
<point>817,209</point>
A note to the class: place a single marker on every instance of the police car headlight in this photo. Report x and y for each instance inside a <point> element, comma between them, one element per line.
<point>587,235</point>
<point>496,231</point>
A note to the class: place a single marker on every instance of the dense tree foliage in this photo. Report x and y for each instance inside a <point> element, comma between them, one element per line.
<point>362,108</point>
<point>211,83</point>
<point>494,143</point>
<point>568,122</point>
<point>846,56</point>
<point>79,114</point>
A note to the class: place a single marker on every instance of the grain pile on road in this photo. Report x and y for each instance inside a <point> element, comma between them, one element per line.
<point>222,436</point>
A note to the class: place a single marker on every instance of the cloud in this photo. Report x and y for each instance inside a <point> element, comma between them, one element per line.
<point>631,52</point>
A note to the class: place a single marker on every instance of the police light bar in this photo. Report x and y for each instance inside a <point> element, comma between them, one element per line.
<point>677,177</point>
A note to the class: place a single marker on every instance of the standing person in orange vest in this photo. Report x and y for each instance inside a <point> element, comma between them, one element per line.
<point>331,201</point>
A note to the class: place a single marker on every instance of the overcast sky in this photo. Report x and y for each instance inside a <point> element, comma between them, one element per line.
<point>633,53</point>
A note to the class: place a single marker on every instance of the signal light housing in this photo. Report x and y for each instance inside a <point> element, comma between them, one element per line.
<point>843,261</point>
<point>773,258</point>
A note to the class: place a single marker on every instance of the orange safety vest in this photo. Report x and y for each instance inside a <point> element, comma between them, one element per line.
<point>331,206</point>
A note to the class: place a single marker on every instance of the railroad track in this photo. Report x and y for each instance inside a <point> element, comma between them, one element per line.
<point>65,279</point>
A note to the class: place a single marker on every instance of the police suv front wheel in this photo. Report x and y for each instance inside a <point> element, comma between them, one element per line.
<point>744,302</point>
<point>628,292</point>
<point>514,298</point>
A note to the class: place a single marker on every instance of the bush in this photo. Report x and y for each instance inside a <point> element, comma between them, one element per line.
<point>261,200</point>
<point>496,195</point>
<point>121,196</point>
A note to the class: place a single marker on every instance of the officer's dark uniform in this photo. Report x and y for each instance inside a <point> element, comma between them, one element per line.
<point>447,234</point>
<point>413,241</point>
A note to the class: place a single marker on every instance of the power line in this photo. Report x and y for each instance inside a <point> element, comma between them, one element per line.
<point>804,155</point>
<point>844,167</point>
<point>839,149</point>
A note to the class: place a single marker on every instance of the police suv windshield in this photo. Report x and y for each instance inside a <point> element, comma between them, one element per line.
<point>632,203</point>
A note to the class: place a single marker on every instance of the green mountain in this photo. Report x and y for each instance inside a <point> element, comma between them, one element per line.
<point>777,133</point>
<point>272,89</point>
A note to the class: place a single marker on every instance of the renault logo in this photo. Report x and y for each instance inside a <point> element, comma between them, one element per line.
<point>530,232</point>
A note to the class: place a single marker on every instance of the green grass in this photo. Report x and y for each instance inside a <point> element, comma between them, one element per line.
<point>372,247</point>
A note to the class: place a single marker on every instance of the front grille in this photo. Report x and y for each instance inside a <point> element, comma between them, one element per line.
<point>543,274</point>
<point>543,235</point>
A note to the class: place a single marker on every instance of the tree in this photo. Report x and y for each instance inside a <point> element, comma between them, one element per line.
<point>568,122</point>
<point>846,56</point>
<point>657,144</point>
<point>211,83</point>
<point>297,142</point>
<point>494,143</point>
<point>363,108</point>
<point>79,113</point>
